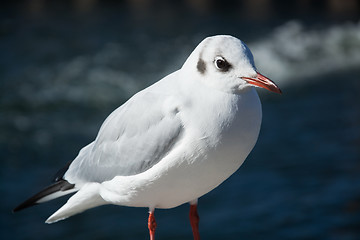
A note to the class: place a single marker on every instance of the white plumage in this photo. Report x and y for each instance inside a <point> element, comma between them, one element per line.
<point>176,140</point>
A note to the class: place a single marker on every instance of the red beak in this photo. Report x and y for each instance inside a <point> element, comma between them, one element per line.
<point>263,82</point>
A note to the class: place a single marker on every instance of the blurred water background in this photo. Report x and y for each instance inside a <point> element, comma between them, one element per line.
<point>65,65</point>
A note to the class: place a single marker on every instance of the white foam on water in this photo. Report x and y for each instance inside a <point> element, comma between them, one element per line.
<point>293,54</point>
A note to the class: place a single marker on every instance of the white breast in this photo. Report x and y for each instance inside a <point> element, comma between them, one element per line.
<point>217,147</point>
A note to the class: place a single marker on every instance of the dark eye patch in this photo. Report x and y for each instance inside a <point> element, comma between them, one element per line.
<point>201,66</point>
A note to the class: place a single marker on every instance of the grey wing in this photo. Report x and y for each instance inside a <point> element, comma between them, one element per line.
<point>132,139</point>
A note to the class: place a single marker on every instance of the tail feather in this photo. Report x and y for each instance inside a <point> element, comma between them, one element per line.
<point>58,189</point>
<point>87,197</point>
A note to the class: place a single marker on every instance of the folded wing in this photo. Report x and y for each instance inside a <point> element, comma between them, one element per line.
<point>132,139</point>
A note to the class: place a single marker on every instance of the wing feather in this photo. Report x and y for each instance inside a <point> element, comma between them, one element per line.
<point>132,139</point>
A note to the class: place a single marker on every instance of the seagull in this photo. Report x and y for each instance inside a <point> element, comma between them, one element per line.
<point>172,142</point>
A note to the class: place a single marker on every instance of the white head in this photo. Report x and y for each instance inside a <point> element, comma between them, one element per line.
<point>226,63</point>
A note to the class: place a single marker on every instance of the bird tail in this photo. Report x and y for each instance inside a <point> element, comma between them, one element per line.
<point>87,197</point>
<point>58,189</point>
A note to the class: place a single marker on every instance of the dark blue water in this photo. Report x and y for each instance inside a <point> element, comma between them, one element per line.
<point>65,67</point>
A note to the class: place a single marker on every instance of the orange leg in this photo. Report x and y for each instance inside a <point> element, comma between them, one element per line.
<point>152,225</point>
<point>194,221</point>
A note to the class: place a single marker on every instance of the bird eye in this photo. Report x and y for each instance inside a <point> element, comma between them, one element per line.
<point>222,64</point>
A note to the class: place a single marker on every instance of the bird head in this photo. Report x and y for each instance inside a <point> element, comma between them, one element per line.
<point>226,63</point>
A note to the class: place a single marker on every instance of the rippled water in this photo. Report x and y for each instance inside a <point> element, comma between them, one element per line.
<point>61,77</point>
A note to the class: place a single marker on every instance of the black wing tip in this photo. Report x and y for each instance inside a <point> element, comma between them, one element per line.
<point>61,185</point>
<point>24,205</point>
<point>30,201</point>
